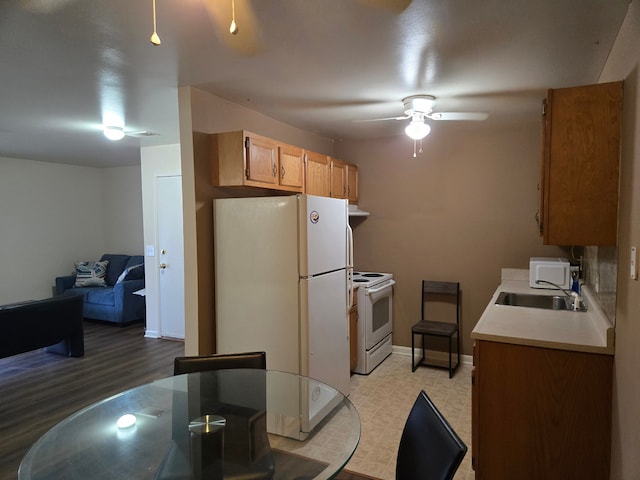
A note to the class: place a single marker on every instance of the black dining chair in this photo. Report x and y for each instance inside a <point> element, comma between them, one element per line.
<point>203,363</point>
<point>429,448</point>
<point>246,441</point>
<point>430,327</point>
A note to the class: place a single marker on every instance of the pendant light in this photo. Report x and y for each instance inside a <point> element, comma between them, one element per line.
<point>155,39</point>
<point>233,28</point>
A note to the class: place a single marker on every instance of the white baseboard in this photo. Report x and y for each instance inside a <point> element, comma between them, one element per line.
<point>151,334</point>
<point>436,356</point>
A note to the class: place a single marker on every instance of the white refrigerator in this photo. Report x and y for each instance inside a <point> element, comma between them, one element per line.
<point>282,285</point>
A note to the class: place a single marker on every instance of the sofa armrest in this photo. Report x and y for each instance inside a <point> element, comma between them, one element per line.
<point>133,306</point>
<point>64,283</point>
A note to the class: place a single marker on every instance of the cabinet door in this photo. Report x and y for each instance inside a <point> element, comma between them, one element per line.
<point>540,413</point>
<point>352,183</point>
<point>581,154</point>
<point>318,174</point>
<point>291,168</point>
<point>338,179</point>
<point>261,161</point>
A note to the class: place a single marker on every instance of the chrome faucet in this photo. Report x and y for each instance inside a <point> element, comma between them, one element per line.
<point>574,299</point>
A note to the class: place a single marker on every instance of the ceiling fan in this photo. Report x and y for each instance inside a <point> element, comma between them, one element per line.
<point>418,108</point>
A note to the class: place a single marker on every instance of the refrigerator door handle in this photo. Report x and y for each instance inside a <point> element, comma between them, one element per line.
<point>349,266</point>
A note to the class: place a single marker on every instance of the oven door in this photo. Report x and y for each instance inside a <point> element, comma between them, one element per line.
<point>378,313</point>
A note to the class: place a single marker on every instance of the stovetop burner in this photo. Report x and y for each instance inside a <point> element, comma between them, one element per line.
<point>369,279</point>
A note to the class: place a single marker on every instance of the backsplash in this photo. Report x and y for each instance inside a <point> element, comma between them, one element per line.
<point>600,266</point>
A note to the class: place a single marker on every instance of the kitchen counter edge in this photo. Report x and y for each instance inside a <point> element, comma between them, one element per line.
<point>589,331</point>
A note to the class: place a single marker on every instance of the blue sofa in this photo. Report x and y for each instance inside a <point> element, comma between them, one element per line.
<point>116,301</point>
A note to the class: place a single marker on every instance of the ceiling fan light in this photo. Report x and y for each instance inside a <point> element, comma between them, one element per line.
<point>113,132</point>
<point>417,129</point>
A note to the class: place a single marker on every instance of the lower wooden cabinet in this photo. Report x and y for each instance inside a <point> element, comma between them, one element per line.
<point>540,413</point>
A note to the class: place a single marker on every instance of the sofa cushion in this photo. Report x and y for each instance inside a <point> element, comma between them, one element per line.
<point>117,264</point>
<point>91,274</point>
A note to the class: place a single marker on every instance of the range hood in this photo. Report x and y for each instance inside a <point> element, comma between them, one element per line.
<point>354,211</point>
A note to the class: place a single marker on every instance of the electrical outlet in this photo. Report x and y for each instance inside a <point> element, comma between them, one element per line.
<point>633,264</point>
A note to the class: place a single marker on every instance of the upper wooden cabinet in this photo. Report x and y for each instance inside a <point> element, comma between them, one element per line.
<point>344,180</point>
<point>580,165</point>
<point>291,161</point>
<point>245,159</point>
<point>338,178</point>
<point>317,174</point>
<point>352,183</point>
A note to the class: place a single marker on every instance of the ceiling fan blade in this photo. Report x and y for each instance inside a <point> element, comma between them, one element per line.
<point>246,40</point>
<point>380,119</point>
<point>458,116</point>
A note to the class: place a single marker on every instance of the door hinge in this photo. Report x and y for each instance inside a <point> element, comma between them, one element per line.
<point>544,107</point>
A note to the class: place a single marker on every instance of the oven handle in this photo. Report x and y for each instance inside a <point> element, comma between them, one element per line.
<point>369,291</point>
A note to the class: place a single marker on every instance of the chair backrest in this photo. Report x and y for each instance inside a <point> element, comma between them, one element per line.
<point>205,363</point>
<point>429,448</point>
<point>432,290</point>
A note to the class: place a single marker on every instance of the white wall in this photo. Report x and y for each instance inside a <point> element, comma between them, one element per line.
<point>122,210</point>
<point>52,215</point>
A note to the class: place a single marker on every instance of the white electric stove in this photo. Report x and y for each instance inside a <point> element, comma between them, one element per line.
<point>375,318</point>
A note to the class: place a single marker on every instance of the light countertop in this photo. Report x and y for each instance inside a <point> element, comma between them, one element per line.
<point>589,331</point>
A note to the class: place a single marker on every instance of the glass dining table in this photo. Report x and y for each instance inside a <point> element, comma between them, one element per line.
<point>226,424</point>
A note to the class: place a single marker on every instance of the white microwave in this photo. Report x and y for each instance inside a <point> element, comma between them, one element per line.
<point>549,269</point>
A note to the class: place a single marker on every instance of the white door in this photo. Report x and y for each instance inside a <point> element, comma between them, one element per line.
<point>170,256</point>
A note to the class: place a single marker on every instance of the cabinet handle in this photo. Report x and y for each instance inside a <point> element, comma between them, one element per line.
<point>282,171</point>
<point>274,170</point>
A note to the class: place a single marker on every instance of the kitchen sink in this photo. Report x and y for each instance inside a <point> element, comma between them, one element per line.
<point>549,302</point>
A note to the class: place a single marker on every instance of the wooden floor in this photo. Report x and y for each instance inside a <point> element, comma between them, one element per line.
<point>39,389</point>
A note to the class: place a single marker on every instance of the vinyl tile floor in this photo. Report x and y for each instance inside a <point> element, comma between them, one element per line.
<point>384,398</point>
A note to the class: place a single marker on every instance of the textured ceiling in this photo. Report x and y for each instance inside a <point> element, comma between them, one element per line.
<point>66,65</point>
